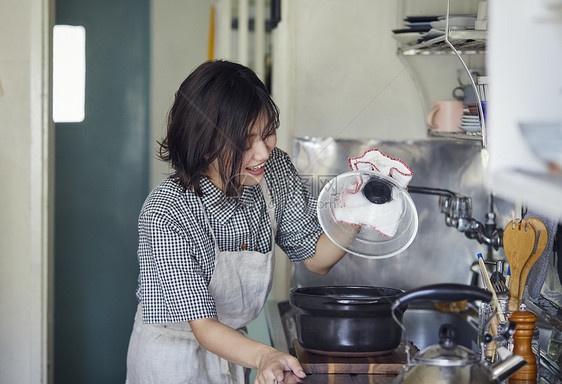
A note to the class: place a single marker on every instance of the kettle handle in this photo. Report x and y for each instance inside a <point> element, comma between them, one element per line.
<point>442,292</point>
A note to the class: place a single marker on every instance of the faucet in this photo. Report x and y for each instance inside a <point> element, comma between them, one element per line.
<point>458,214</point>
<point>486,233</point>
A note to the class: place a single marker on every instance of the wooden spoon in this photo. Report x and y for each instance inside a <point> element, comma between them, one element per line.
<point>540,242</point>
<point>518,243</point>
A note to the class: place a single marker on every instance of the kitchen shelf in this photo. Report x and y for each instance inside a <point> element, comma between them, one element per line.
<point>467,34</point>
<point>430,52</point>
<point>465,42</point>
<point>453,40</point>
<point>456,135</point>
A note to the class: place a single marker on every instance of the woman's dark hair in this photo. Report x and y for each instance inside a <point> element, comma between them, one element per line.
<point>210,119</point>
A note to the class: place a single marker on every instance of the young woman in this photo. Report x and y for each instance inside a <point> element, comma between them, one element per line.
<point>207,235</point>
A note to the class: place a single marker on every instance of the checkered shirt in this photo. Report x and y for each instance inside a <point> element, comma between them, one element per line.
<point>176,250</point>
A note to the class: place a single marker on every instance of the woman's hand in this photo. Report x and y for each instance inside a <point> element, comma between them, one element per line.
<point>272,365</point>
<point>278,367</point>
<point>290,378</point>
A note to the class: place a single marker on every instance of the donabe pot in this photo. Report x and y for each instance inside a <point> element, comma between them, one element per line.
<point>347,320</point>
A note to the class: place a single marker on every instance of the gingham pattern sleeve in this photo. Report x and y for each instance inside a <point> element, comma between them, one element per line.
<point>295,209</point>
<point>173,280</point>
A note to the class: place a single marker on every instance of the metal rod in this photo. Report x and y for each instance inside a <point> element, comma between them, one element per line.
<point>478,99</point>
<point>431,191</point>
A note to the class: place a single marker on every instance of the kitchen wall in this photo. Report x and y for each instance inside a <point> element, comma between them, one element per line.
<point>343,82</point>
<point>178,44</point>
<point>438,253</point>
<point>337,74</point>
<point>26,192</point>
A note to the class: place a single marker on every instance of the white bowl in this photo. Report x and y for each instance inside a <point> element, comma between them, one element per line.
<point>545,140</point>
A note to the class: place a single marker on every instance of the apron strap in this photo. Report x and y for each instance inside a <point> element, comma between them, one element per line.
<point>270,210</point>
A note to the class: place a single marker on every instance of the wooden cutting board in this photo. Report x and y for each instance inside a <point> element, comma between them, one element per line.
<point>389,364</point>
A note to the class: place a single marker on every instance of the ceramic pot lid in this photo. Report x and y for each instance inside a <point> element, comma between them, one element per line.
<point>373,202</point>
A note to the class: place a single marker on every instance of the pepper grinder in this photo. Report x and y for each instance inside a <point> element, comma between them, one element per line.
<point>522,346</point>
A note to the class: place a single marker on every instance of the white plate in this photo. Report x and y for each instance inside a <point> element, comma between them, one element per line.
<point>471,128</point>
<point>433,33</point>
<point>408,37</point>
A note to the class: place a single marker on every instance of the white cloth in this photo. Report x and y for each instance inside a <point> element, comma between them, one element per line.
<point>170,354</point>
<point>354,208</point>
<point>375,160</point>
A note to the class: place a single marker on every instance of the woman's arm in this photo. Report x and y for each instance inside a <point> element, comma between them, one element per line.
<point>327,253</point>
<point>231,345</point>
<point>326,256</point>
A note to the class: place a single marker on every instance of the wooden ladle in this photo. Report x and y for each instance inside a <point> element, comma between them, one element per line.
<point>540,242</point>
<point>518,244</point>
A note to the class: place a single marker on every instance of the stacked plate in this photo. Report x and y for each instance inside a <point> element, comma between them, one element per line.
<point>415,27</point>
<point>470,123</point>
<point>419,29</point>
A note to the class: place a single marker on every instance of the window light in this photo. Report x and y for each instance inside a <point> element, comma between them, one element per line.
<point>69,73</point>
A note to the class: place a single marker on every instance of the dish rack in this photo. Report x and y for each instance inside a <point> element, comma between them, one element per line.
<point>459,42</point>
<point>476,35</point>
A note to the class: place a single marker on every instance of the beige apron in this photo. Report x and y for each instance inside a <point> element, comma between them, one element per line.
<point>170,354</point>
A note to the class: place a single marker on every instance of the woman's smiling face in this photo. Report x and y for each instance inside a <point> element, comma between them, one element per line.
<point>260,145</point>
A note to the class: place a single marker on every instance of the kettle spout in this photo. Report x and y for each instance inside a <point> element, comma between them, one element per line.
<point>509,364</point>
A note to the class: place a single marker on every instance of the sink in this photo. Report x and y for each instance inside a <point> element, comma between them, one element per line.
<point>422,326</point>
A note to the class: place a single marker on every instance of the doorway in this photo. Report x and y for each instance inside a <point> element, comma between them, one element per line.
<point>101,180</point>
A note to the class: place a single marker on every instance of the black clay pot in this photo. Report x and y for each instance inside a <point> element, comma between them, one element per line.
<point>347,320</point>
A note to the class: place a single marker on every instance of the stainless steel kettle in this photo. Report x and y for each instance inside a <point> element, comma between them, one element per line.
<point>449,362</point>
